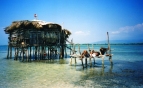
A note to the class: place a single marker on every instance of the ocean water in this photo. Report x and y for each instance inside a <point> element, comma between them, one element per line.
<point>127,63</point>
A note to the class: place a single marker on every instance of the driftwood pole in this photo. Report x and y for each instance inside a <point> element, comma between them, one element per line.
<point>109,48</point>
<point>108,43</point>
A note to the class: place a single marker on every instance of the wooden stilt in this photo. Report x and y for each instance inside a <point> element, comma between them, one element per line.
<point>102,59</point>
<point>109,48</point>
<point>103,69</point>
<point>30,53</point>
<point>38,53</point>
<point>22,54</point>
<point>35,52</point>
<point>15,53</point>
<point>71,61</point>
<point>75,60</point>
<point>74,52</point>
<point>65,51</point>
<point>80,54</point>
<point>42,52</point>
<point>59,52</point>
<point>28,59</point>
<point>8,52</point>
<point>48,53</point>
<point>110,59</point>
<point>27,56</point>
<point>62,52</point>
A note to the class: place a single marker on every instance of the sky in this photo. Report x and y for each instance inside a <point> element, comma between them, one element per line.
<point>88,20</point>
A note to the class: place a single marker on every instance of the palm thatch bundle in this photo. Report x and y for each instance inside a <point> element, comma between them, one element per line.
<point>18,24</point>
<point>36,25</point>
<point>67,32</point>
<point>13,26</point>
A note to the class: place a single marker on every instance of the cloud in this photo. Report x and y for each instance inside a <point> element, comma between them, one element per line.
<point>115,32</point>
<point>83,33</point>
<point>129,29</point>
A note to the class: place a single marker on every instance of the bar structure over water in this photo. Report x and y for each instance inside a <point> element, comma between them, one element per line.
<point>35,40</point>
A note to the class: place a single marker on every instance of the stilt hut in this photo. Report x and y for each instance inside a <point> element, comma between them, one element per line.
<point>36,39</point>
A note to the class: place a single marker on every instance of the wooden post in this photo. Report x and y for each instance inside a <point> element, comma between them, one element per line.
<point>108,43</point>
<point>110,59</point>
<point>59,51</point>
<point>65,51</point>
<point>18,51</point>
<point>71,45</point>
<point>102,59</point>
<point>35,52</point>
<point>30,54</point>
<point>62,51</point>
<point>109,48</point>
<point>45,52</point>
<point>15,53</point>
<point>103,69</point>
<point>93,49</point>
<point>71,61</point>
<point>42,52</point>
<point>48,53</point>
<point>8,52</point>
<point>81,56</point>
<point>27,54</point>
<point>22,54</point>
<point>38,56</point>
<point>10,45</point>
<point>74,51</point>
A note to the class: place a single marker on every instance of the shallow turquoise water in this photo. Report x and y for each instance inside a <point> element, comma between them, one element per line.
<point>127,61</point>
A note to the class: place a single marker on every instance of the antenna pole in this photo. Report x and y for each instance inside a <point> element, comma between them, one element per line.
<point>35,16</point>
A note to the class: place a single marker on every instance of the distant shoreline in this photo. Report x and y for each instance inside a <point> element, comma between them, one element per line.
<point>113,44</point>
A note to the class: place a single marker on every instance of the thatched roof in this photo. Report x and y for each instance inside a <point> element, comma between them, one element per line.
<point>67,32</point>
<point>36,24</point>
